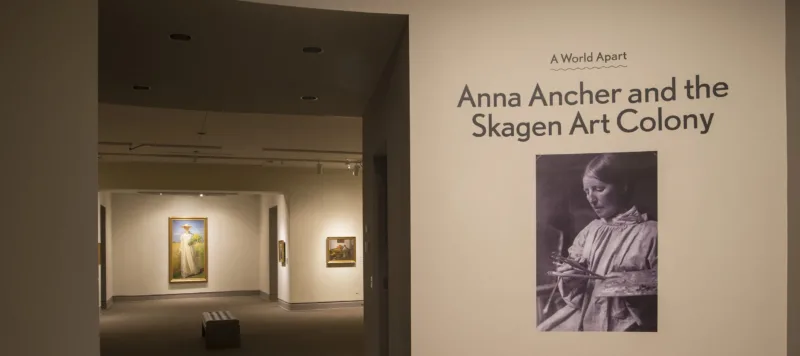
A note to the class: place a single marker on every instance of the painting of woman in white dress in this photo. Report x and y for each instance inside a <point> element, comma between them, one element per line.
<point>597,251</point>
<point>188,250</point>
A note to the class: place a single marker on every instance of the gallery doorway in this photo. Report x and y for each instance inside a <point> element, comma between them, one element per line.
<point>202,99</point>
<point>102,259</point>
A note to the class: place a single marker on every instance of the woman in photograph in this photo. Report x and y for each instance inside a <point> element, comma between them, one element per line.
<point>620,241</point>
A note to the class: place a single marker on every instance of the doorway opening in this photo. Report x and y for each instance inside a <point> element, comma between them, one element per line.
<point>201,100</point>
<point>102,259</point>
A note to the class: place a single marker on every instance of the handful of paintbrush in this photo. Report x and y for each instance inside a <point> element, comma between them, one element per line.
<point>583,271</point>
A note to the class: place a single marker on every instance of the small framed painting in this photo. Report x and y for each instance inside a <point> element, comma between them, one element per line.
<point>282,252</point>
<point>340,251</point>
<point>188,250</point>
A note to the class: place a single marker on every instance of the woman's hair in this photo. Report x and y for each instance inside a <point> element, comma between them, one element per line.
<point>614,168</point>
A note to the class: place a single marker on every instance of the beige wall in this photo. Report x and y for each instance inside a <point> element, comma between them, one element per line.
<point>386,135</point>
<point>140,226</point>
<point>317,206</point>
<point>284,277</point>
<point>48,131</point>
<point>722,195</point>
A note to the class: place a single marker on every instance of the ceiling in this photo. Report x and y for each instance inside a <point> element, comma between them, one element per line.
<point>242,57</point>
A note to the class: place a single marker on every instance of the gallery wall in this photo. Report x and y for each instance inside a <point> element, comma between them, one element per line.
<point>705,215</point>
<point>317,206</point>
<point>284,279</point>
<point>385,130</point>
<point>140,229</point>
<point>721,193</point>
<point>330,207</point>
<point>49,140</point>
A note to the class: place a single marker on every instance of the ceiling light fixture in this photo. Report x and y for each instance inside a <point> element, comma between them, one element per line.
<point>309,98</point>
<point>141,87</point>
<point>319,168</point>
<point>312,50</point>
<point>180,37</point>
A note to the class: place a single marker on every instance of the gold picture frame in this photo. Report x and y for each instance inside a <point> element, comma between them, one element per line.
<point>340,251</point>
<point>282,253</point>
<point>187,240</point>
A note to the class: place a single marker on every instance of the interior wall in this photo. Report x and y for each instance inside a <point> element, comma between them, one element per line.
<point>284,277</point>
<point>385,132</point>
<point>326,207</point>
<point>140,226</point>
<point>268,251</point>
<point>48,108</point>
<point>317,206</point>
<point>721,195</point>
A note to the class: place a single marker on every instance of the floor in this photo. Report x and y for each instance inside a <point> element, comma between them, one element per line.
<point>171,327</point>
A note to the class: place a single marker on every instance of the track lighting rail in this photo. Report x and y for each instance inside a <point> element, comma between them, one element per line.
<point>238,158</point>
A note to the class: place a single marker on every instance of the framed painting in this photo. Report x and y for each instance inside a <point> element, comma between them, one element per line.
<point>282,252</point>
<point>340,251</point>
<point>188,250</point>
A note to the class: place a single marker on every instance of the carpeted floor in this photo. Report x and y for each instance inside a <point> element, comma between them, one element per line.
<point>171,327</point>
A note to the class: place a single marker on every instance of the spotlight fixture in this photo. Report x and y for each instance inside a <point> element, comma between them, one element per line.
<point>349,165</point>
<point>312,50</point>
<point>180,37</point>
<point>141,87</point>
<point>356,169</point>
<point>309,98</point>
<point>201,195</point>
<point>319,168</point>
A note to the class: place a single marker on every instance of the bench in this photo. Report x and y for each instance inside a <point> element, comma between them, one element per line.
<point>221,330</point>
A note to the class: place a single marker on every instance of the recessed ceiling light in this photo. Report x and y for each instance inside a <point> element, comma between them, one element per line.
<point>310,98</point>
<point>141,87</point>
<point>312,50</point>
<point>180,37</point>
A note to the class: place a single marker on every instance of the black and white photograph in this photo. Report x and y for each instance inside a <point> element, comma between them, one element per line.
<point>596,242</point>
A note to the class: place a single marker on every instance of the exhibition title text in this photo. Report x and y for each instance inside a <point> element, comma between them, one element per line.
<point>628,120</point>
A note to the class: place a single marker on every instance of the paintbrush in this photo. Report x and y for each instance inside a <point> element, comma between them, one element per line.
<point>574,264</point>
<point>565,275</point>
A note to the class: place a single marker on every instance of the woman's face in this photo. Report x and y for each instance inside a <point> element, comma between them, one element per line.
<point>605,199</point>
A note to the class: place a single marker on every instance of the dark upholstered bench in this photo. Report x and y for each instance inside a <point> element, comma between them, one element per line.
<point>221,330</point>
